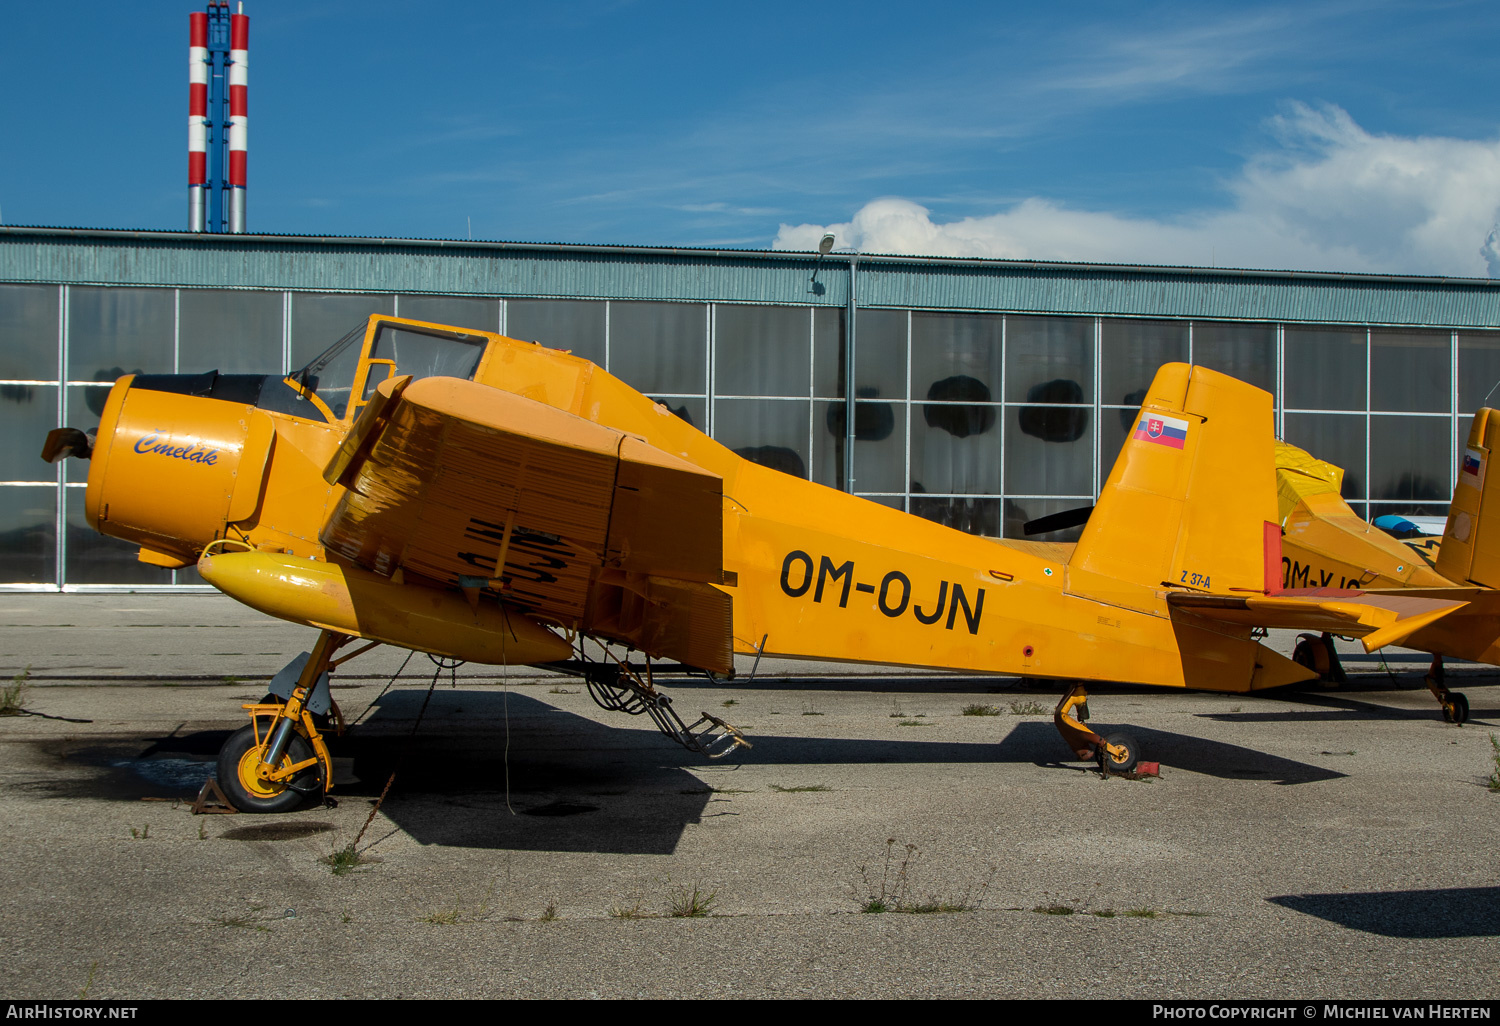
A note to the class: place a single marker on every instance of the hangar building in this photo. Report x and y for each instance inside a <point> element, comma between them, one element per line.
<point>985,393</point>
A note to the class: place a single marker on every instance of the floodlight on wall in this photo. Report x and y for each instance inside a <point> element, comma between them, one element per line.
<point>825,246</point>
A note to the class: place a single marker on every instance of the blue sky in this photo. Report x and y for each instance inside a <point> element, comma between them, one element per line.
<point>1340,136</point>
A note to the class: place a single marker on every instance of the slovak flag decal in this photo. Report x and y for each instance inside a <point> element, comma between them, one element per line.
<point>1471,462</point>
<point>1161,430</point>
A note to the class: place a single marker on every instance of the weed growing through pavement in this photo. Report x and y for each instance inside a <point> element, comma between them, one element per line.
<point>894,891</point>
<point>240,923</point>
<point>690,902</point>
<point>1054,910</point>
<point>1027,709</point>
<point>549,914</point>
<point>84,993</point>
<point>1142,913</point>
<point>560,691</point>
<point>1494,781</point>
<point>980,709</point>
<point>141,834</point>
<point>202,831</point>
<point>634,911</point>
<point>12,696</point>
<point>345,860</point>
<point>729,702</point>
<point>808,709</point>
<point>443,917</point>
<point>799,790</point>
<point>917,723</point>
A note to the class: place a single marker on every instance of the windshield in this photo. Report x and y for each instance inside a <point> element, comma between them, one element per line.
<point>331,374</point>
<point>423,354</point>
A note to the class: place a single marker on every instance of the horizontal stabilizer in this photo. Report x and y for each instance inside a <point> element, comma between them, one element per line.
<point>1379,618</point>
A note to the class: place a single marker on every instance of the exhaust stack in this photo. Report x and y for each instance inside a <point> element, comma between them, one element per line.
<point>218,117</point>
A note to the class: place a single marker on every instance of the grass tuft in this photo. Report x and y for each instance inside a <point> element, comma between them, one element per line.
<point>13,695</point>
<point>345,860</point>
<point>1494,781</point>
<point>1027,708</point>
<point>142,834</point>
<point>1142,913</point>
<point>980,709</point>
<point>446,917</point>
<point>549,914</point>
<point>690,902</point>
<point>799,790</point>
<point>1055,910</point>
<point>636,911</point>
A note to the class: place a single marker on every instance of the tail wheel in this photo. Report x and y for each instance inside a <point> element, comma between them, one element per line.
<point>1124,758</point>
<point>245,789</point>
<point>1456,709</point>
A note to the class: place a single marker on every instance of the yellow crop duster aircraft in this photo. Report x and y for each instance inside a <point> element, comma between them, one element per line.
<point>1326,545</point>
<point>485,499</point>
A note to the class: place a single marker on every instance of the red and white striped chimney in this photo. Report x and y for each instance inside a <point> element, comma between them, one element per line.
<point>197,121</point>
<point>239,81</point>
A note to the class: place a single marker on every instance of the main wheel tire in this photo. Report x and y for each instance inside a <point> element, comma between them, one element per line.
<point>1132,754</point>
<point>246,791</point>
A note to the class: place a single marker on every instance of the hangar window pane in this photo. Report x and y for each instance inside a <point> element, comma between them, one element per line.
<point>1338,439</point>
<point>95,559</point>
<point>458,311</point>
<point>27,413</point>
<point>1478,370</point>
<point>1020,511</point>
<point>1037,466</point>
<point>112,332</point>
<point>972,516</point>
<point>1324,368</point>
<point>320,321</point>
<point>693,411</point>
<point>951,348</point>
<point>762,350</point>
<point>1411,458</point>
<point>28,535</point>
<point>1244,351</point>
<point>771,432</point>
<point>1114,425</point>
<point>1131,354</point>
<point>1411,371</point>
<point>85,409</point>
<point>1049,359</point>
<point>828,351</point>
<point>948,458</point>
<point>234,331</point>
<point>879,444</point>
<point>28,332</point>
<point>880,354</point>
<point>576,325</point>
<point>660,347</point>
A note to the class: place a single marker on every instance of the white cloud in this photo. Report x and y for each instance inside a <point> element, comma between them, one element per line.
<point>1329,196</point>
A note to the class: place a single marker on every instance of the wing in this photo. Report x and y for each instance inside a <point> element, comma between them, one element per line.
<point>562,518</point>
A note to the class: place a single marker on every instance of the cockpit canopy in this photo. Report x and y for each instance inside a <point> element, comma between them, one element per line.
<point>377,350</point>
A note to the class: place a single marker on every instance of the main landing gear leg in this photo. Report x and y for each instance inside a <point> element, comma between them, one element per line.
<point>1455,704</point>
<point>280,759</point>
<point>1117,753</point>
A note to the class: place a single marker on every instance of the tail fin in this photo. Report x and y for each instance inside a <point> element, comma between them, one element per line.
<point>1471,540</point>
<point>1191,501</point>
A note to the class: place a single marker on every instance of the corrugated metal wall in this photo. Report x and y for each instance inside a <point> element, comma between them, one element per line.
<point>592,272</point>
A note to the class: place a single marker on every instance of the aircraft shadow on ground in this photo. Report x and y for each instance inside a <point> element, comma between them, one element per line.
<point>1336,708</point>
<point>1415,915</point>
<point>1038,742</point>
<point>571,784</point>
